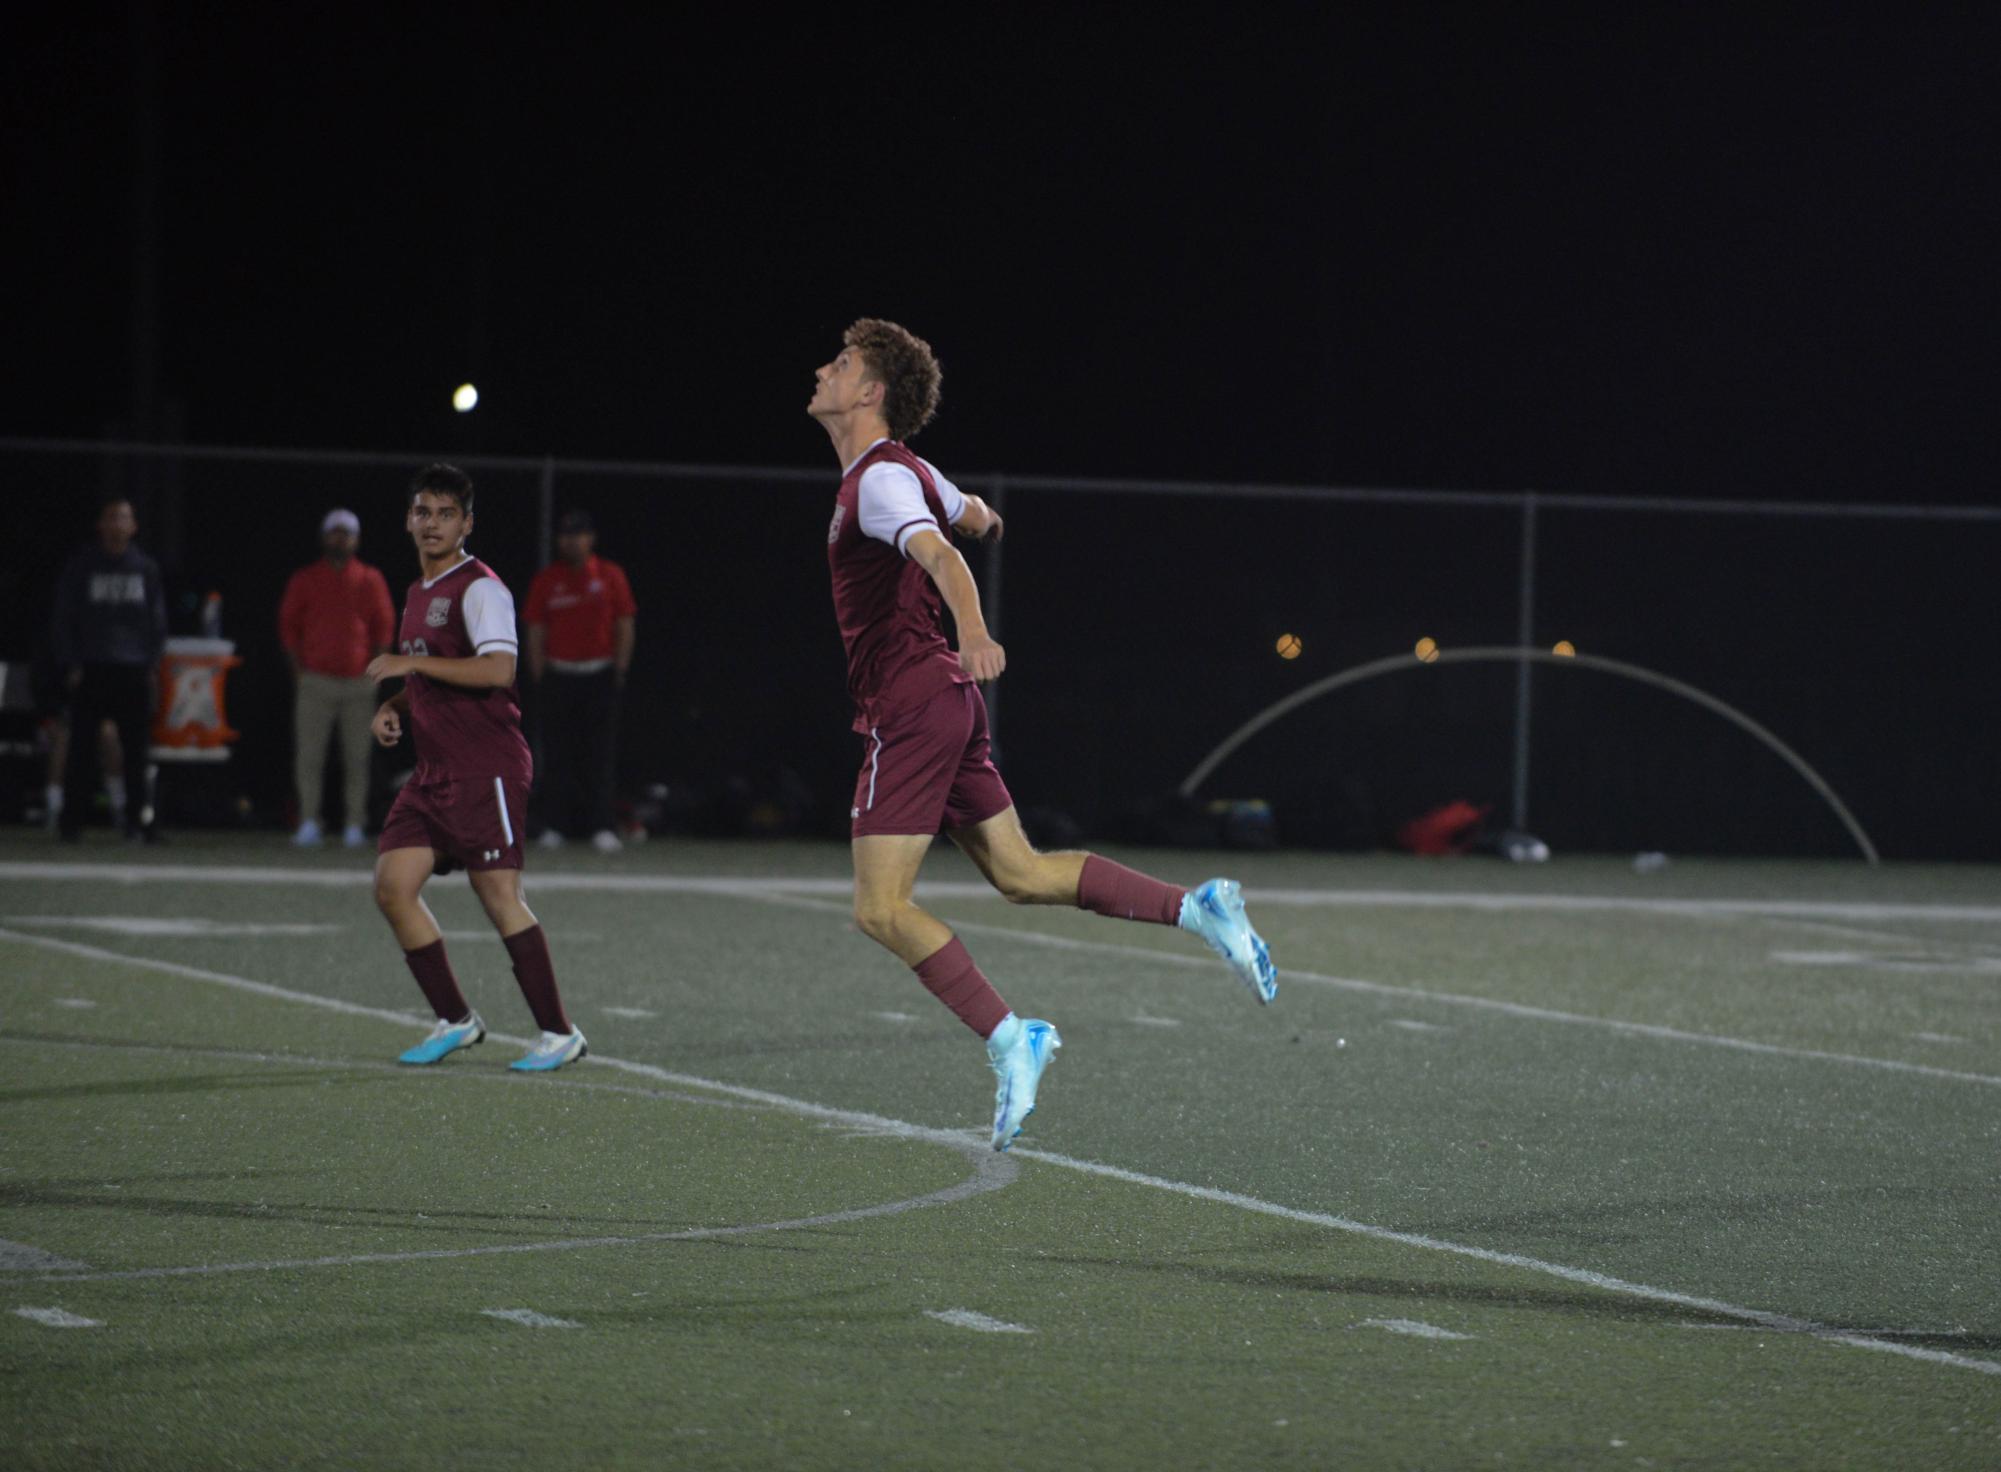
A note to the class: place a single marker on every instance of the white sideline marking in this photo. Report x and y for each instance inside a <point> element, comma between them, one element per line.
<point>1605,1281</point>
<point>530,1319</point>
<point>78,1003</point>
<point>970,1140</point>
<point>972,889</point>
<point>965,1318</point>
<point>56,1318</point>
<point>156,926</point>
<point>1145,1021</point>
<point>634,1012</point>
<point>1416,993</point>
<point>19,1257</point>
<point>1416,1328</point>
<point>1411,1024</point>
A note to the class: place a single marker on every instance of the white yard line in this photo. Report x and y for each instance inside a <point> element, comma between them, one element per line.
<point>959,1138</point>
<point>1288,975</point>
<point>92,873</point>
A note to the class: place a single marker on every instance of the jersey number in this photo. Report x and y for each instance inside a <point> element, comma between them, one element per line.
<point>415,646</point>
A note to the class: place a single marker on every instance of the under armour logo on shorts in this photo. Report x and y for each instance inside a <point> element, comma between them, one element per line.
<point>854,812</point>
<point>492,854</point>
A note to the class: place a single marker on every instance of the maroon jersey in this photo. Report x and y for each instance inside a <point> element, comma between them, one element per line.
<point>891,617</point>
<point>459,732</point>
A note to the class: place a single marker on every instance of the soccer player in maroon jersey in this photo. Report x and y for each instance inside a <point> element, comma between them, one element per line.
<point>464,805</point>
<point>927,763</point>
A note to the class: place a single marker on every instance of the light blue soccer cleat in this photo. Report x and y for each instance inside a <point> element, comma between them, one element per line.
<point>446,1037</point>
<point>1215,911</point>
<point>1019,1051</point>
<point>552,1050</point>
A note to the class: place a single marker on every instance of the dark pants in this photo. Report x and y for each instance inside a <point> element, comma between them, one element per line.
<point>123,695</point>
<point>579,751</point>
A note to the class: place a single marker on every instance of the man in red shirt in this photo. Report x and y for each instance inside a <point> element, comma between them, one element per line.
<point>928,763</point>
<point>580,618</point>
<point>335,617</point>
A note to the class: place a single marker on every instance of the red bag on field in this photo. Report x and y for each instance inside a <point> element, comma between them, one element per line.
<point>1444,830</point>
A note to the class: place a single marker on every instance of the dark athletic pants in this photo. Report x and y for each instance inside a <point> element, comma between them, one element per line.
<point>579,751</point>
<point>123,695</point>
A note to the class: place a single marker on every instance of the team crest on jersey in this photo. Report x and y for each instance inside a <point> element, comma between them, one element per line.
<point>834,526</point>
<point>440,614</point>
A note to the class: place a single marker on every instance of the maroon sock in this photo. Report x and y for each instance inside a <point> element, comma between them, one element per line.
<point>1126,894</point>
<point>537,974</point>
<point>434,974</point>
<point>950,975</point>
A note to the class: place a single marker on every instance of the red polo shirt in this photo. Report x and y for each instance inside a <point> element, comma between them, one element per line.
<point>334,620</point>
<point>578,606</point>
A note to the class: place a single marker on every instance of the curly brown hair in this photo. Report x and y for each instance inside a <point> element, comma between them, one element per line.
<point>905,366</point>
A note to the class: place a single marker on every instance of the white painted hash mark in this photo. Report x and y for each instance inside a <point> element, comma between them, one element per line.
<point>1411,1024</point>
<point>56,1318</point>
<point>897,1016</point>
<point>1936,1037</point>
<point>19,1257</point>
<point>1417,1329</point>
<point>529,1318</point>
<point>965,1318</point>
<point>78,1003</point>
<point>1145,1021</point>
<point>634,1012</point>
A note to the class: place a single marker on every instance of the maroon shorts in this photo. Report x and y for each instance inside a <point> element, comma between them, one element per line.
<point>929,767</point>
<point>471,822</point>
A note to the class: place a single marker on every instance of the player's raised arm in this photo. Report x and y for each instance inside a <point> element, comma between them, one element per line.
<point>979,654</point>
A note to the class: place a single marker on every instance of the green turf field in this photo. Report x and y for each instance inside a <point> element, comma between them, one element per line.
<point>1546,1167</point>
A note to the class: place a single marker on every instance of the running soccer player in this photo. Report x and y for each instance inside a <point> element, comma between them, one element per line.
<point>927,763</point>
<point>464,805</point>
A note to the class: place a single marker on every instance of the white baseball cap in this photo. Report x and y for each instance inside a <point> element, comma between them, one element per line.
<point>343,520</point>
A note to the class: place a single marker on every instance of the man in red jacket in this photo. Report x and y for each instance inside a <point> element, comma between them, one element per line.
<point>335,617</point>
<point>579,619</point>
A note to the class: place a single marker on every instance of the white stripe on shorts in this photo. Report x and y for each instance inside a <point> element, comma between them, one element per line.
<point>872,759</point>
<point>500,797</point>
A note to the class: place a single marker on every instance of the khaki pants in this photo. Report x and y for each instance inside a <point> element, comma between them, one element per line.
<point>327,702</point>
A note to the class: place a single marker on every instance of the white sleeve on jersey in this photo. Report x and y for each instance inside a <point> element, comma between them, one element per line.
<point>891,503</point>
<point>489,611</point>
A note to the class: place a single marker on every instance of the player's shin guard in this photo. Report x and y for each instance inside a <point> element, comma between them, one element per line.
<point>433,971</point>
<point>1126,894</point>
<point>529,950</point>
<point>950,975</point>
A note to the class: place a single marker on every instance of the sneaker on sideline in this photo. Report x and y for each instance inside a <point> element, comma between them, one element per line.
<point>306,835</point>
<point>606,842</point>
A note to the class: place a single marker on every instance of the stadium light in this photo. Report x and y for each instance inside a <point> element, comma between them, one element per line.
<point>1564,649</point>
<point>1427,650</point>
<point>1289,646</point>
<point>465,398</point>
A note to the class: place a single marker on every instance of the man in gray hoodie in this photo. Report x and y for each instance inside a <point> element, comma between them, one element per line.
<point>109,627</point>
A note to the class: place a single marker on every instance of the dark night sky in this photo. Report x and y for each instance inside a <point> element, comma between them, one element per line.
<point>1659,250</point>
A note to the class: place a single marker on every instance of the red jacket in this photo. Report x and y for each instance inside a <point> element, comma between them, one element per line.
<point>333,620</point>
<point>578,606</point>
